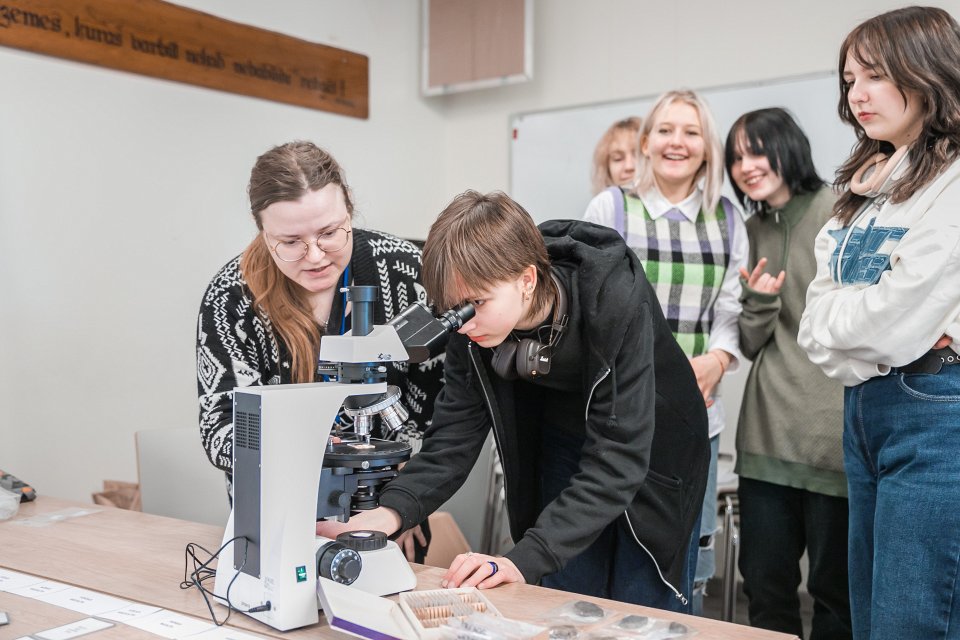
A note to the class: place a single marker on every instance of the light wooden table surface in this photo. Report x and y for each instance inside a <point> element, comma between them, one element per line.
<point>140,557</point>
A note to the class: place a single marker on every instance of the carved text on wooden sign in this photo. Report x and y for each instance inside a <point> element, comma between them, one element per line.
<point>163,40</point>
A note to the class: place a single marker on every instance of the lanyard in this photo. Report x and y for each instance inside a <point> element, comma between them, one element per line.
<point>344,282</point>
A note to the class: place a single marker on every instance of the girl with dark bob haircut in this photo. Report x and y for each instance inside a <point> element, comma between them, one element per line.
<point>792,489</point>
<point>773,134</point>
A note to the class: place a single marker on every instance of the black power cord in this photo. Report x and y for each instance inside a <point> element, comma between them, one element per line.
<point>202,573</point>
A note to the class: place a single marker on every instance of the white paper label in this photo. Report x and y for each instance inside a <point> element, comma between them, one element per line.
<point>40,589</point>
<point>14,580</point>
<point>83,600</point>
<point>131,611</point>
<point>169,624</point>
<point>74,629</point>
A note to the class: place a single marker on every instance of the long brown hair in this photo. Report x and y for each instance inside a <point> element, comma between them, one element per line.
<point>918,49</point>
<point>479,240</point>
<point>283,174</point>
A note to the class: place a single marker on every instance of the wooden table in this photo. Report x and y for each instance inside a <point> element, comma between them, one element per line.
<point>140,557</point>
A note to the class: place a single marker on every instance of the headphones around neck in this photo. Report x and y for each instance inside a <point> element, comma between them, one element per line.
<point>878,174</point>
<point>529,359</point>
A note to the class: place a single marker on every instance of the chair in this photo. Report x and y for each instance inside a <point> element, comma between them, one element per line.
<point>731,547</point>
<point>446,540</point>
<point>728,507</point>
<point>177,480</point>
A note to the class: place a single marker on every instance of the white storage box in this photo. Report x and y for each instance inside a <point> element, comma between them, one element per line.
<point>417,616</point>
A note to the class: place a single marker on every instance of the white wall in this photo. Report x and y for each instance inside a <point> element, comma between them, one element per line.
<point>121,195</point>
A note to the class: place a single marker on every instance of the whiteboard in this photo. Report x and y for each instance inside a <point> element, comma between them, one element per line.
<point>551,151</point>
<point>551,155</point>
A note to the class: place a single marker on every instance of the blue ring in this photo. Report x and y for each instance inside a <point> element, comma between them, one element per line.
<point>493,565</point>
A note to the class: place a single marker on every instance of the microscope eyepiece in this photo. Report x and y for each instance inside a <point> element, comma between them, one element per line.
<point>455,318</point>
<point>424,335</point>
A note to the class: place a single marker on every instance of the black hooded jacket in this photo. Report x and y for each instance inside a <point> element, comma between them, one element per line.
<point>646,445</point>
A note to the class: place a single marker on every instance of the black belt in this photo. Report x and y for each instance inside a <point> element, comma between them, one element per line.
<point>931,362</point>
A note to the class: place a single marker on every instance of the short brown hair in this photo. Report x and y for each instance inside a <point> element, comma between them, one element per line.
<point>480,240</point>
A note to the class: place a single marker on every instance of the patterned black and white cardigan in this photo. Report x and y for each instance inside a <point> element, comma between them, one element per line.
<point>236,347</point>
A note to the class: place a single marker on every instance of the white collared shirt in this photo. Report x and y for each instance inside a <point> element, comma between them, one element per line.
<point>725,331</point>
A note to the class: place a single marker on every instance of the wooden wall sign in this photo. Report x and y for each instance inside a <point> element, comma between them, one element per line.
<point>163,40</point>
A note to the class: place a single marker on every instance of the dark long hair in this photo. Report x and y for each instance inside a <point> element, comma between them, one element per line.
<point>775,135</point>
<point>918,49</point>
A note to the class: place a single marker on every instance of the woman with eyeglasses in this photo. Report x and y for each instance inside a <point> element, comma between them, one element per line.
<point>264,313</point>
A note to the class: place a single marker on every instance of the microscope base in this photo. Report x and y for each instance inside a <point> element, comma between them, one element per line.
<point>385,571</point>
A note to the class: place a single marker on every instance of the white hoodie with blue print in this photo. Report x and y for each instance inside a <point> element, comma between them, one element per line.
<point>887,285</point>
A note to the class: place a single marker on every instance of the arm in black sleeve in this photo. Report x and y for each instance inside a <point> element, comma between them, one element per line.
<point>451,444</point>
<point>614,459</point>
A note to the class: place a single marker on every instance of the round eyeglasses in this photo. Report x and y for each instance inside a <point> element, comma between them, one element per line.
<point>328,242</point>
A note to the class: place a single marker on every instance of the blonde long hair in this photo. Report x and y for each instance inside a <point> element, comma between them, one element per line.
<point>711,171</point>
<point>283,174</point>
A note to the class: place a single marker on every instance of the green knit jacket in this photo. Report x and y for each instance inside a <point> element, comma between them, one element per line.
<point>791,417</point>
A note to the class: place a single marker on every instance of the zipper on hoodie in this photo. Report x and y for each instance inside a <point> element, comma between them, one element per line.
<point>679,596</point>
<point>493,419</point>
<point>785,236</point>
<point>506,491</point>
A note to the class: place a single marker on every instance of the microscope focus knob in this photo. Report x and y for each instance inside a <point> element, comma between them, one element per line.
<point>339,563</point>
<point>344,500</point>
<point>363,540</point>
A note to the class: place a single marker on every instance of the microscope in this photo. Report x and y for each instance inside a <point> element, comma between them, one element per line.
<point>288,472</point>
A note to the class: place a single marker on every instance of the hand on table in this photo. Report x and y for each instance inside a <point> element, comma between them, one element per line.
<point>481,571</point>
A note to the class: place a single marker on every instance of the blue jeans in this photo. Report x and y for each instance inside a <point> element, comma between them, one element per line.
<point>614,566</point>
<point>776,524</point>
<point>901,447</point>
<point>706,556</point>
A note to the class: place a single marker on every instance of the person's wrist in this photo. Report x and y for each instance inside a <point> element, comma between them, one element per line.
<point>391,519</point>
<point>723,358</point>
